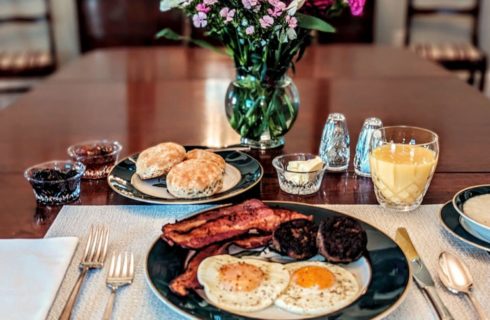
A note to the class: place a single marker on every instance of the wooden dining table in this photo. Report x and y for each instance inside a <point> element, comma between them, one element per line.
<point>143,96</point>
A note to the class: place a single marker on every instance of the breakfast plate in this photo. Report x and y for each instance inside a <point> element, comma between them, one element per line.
<point>383,274</point>
<point>451,220</point>
<point>241,174</point>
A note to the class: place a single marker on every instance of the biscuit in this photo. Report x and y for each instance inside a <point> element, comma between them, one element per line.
<point>207,155</point>
<point>158,160</point>
<point>195,178</point>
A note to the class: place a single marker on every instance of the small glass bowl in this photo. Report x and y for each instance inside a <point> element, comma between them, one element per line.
<point>98,156</point>
<point>56,182</point>
<point>300,183</point>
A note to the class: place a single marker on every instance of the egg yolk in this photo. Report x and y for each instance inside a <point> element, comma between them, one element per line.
<point>312,276</point>
<point>240,277</point>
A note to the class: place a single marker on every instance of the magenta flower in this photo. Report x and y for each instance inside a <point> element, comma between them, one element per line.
<point>357,7</point>
<point>200,20</point>
<point>249,4</point>
<point>292,22</point>
<point>227,14</point>
<point>320,4</point>
<point>201,7</point>
<point>266,21</point>
<point>250,30</point>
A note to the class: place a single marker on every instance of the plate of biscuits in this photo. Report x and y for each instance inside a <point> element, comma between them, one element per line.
<point>170,173</point>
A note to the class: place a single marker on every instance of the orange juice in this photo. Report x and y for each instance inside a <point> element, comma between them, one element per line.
<point>402,172</point>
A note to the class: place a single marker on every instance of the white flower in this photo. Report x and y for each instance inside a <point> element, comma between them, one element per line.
<point>294,6</point>
<point>166,5</point>
<point>291,33</point>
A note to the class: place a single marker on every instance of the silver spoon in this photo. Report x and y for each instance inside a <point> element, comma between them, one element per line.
<point>457,278</point>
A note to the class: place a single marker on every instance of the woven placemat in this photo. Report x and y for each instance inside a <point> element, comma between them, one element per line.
<point>135,228</point>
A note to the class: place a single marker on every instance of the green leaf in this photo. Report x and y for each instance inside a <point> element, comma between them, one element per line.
<point>313,23</point>
<point>171,35</point>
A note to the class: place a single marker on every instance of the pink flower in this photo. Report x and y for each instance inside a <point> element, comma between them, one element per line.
<point>227,14</point>
<point>202,8</point>
<point>249,4</point>
<point>266,21</point>
<point>357,7</point>
<point>278,8</point>
<point>292,22</point>
<point>250,30</point>
<point>200,20</point>
<point>209,2</point>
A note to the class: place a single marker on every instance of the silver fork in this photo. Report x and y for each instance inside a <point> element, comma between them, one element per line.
<point>121,273</point>
<point>93,258</point>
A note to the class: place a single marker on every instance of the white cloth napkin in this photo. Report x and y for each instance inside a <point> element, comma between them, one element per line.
<point>31,271</point>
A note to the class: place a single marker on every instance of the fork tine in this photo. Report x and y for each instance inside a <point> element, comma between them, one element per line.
<point>102,247</point>
<point>106,242</point>
<point>118,266</point>
<point>99,248</point>
<point>89,243</point>
<point>94,245</point>
<point>131,266</point>
<point>113,265</point>
<point>125,265</point>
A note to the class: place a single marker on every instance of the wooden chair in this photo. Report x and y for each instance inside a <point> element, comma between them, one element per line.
<point>124,23</point>
<point>453,56</point>
<point>28,63</point>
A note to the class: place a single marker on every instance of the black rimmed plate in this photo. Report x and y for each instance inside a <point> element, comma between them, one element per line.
<point>390,275</point>
<point>248,168</point>
<point>450,219</point>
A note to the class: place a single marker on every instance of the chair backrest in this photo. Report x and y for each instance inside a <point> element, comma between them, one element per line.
<point>113,23</point>
<point>472,11</point>
<point>45,17</point>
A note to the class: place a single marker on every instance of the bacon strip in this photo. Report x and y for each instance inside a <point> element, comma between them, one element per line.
<point>188,280</point>
<point>233,225</point>
<point>252,242</point>
<point>188,224</point>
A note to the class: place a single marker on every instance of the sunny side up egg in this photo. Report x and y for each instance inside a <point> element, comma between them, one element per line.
<point>317,288</point>
<point>241,285</point>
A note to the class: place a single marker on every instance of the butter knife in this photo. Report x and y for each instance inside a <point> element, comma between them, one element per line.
<point>421,273</point>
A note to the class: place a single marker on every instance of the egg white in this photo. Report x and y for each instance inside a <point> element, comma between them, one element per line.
<point>276,279</point>
<point>316,301</point>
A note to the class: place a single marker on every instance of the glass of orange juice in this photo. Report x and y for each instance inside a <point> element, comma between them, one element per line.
<point>403,160</point>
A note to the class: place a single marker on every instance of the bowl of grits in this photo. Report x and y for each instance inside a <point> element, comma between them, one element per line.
<point>473,206</point>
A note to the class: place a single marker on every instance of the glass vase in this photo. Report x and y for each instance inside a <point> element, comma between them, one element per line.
<point>262,112</point>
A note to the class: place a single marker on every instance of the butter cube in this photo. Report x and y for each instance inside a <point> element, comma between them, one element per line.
<point>303,168</point>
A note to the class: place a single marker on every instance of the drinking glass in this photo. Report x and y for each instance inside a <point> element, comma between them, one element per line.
<point>403,161</point>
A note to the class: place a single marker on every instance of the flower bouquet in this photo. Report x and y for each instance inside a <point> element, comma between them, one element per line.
<point>264,38</point>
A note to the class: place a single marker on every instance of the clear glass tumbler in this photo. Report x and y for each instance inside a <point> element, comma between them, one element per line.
<point>403,161</point>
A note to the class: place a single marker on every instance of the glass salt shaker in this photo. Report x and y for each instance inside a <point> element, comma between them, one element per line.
<point>364,146</point>
<point>335,143</point>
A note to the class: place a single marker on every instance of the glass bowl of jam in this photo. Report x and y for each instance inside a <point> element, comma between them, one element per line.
<point>98,156</point>
<point>55,182</point>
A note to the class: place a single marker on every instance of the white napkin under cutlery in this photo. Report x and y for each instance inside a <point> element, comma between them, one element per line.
<point>31,272</point>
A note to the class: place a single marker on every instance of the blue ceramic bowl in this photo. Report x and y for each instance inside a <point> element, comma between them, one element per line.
<point>474,227</point>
